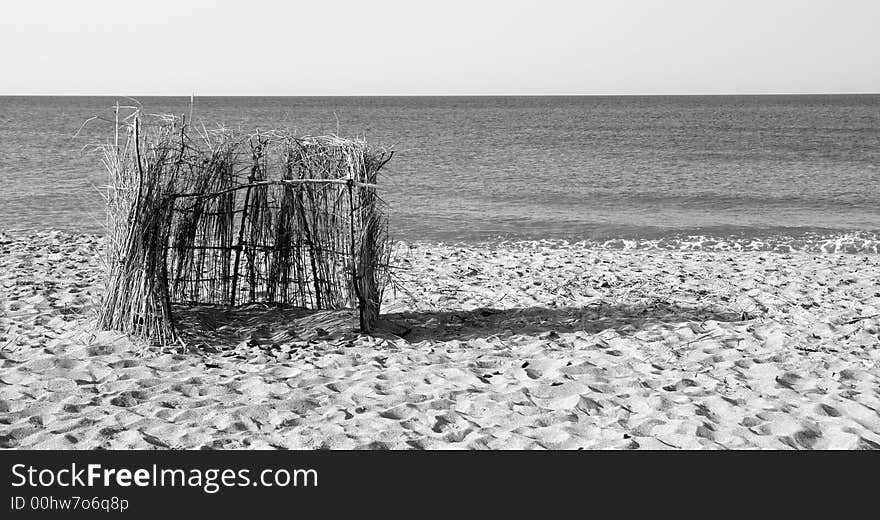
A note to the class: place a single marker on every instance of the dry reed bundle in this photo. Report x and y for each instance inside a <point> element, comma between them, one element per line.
<point>227,219</point>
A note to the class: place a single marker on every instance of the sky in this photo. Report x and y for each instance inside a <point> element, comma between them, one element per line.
<point>448,47</point>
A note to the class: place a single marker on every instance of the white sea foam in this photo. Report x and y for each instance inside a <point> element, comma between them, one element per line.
<point>855,242</point>
<point>860,242</point>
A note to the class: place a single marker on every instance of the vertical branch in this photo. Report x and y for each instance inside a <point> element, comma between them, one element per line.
<point>311,245</point>
<point>247,195</point>
<point>133,217</point>
<point>354,258</point>
<point>166,211</point>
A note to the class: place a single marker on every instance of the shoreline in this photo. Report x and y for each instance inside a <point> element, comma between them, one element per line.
<point>518,345</point>
<point>768,241</point>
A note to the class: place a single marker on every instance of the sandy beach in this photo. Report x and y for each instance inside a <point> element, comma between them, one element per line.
<point>534,345</point>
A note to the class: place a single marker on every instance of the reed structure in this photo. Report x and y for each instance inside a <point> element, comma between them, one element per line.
<point>215,217</point>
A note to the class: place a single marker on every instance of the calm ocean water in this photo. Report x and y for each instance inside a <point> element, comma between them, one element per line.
<point>715,171</point>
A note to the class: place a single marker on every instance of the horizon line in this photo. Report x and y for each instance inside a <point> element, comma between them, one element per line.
<point>731,94</point>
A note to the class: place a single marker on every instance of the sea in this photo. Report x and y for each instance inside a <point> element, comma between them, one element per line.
<point>776,173</point>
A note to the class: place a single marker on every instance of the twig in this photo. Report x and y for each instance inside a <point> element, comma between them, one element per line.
<point>10,342</point>
<point>860,318</point>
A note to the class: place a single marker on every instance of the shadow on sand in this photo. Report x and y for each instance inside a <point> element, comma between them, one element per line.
<point>221,327</point>
<point>484,322</point>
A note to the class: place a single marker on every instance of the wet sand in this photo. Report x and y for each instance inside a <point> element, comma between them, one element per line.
<point>517,345</point>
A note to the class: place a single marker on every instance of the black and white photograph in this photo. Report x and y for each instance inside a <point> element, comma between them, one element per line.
<point>460,225</point>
